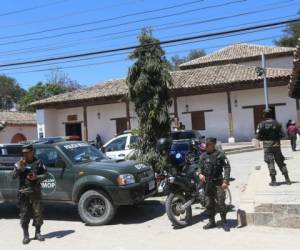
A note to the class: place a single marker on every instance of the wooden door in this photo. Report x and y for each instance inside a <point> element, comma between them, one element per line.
<point>259,114</point>
<point>121,125</point>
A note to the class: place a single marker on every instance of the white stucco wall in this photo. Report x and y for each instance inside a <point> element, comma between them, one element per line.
<point>30,132</point>
<point>243,119</point>
<point>280,62</point>
<point>216,121</point>
<point>104,126</point>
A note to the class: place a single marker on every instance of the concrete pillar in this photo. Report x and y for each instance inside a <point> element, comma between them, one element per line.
<point>231,138</point>
<point>128,115</point>
<point>85,128</point>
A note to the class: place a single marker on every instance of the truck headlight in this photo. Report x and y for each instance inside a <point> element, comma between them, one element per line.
<point>125,179</point>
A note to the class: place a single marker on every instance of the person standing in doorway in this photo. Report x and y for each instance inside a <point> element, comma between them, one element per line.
<point>270,132</point>
<point>292,132</point>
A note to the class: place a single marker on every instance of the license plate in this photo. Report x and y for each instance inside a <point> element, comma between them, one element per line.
<point>151,185</point>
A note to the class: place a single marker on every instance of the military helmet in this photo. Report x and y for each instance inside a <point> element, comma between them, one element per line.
<point>27,148</point>
<point>163,144</point>
<point>267,113</point>
<point>211,140</point>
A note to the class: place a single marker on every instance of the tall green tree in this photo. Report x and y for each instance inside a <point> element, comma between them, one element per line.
<point>176,60</point>
<point>149,81</point>
<point>291,35</point>
<point>10,92</point>
<point>38,92</point>
<point>57,82</point>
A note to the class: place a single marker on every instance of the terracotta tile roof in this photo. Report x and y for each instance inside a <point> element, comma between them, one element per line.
<point>223,75</point>
<point>17,118</point>
<point>294,85</point>
<point>236,53</point>
<point>215,76</point>
<point>115,87</point>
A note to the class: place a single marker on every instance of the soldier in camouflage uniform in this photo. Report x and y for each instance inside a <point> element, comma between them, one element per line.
<point>163,147</point>
<point>30,172</point>
<point>211,166</point>
<point>270,132</point>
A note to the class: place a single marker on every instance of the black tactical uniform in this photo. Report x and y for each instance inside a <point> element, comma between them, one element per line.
<point>216,169</point>
<point>30,194</point>
<point>270,132</point>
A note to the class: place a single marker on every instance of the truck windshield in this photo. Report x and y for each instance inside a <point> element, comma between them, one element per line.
<point>80,152</point>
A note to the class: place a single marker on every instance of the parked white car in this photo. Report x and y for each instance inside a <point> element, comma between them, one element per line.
<point>120,146</point>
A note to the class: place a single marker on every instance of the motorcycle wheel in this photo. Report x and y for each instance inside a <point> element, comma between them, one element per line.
<point>178,218</point>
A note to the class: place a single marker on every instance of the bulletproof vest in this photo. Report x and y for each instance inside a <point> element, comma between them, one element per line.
<point>26,186</point>
<point>213,165</point>
<point>269,130</point>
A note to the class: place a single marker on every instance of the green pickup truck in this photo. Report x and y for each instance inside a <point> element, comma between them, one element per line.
<point>81,174</point>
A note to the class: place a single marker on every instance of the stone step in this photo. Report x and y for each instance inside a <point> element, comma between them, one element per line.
<point>279,206</point>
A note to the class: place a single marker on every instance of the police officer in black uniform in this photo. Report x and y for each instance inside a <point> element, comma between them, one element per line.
<point>214,172</point>
<point>270,132</point>
<point>30,172</point>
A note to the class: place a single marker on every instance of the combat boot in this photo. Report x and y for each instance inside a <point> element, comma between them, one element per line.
<point>211,223</point>
<point>287,179</point>
<point>273,181</point>
<point>26,239</point>
<point>38,235</point>
<point>225,223</point>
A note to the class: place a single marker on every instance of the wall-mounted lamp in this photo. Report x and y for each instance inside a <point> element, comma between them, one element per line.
<point>235,103</point>
<point>186,108</point>
<point>98,115</point>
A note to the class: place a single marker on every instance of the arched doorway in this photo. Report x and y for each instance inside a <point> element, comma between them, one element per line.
<point>18,137</point>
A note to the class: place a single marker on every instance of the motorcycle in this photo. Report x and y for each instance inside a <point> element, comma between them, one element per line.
<point>185,189</point>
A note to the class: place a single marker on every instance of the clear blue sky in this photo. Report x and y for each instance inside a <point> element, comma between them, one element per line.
<point>50,14</point>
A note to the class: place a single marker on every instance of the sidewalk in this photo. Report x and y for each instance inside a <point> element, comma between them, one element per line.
<point>277,206</point>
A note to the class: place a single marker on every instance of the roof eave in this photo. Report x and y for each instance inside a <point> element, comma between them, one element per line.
<point>233,60</point>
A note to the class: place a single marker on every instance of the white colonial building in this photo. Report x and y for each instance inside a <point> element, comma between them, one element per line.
<point>218,94</point>
<point>17,126</point>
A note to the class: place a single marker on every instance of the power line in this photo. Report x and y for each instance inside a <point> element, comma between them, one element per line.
<point>121,24</point>
<point>68,45</point>
<point>71,14</point>
<point>104,20</point>
<point>184,39</point>
<point>31,8</point>
<point>168,37</point>
<point>126,59</point>
<point>125,53</point>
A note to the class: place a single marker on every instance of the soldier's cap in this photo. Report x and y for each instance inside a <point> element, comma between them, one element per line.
<point>27,148</point>
<point>211,140</point>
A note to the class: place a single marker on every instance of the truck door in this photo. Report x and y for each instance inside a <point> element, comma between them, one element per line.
<point>59,184</point>
<point>8,185</point>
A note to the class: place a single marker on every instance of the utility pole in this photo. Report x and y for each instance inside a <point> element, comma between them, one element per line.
<point>262,71</point>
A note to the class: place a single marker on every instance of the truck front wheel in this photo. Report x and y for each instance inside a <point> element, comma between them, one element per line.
<point>95,208</point>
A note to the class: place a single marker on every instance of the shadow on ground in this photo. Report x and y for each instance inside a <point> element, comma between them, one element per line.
<point>146,211</point>
<point>59,234</point>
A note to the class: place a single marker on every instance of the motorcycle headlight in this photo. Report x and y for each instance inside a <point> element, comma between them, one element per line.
<point>125,179</point>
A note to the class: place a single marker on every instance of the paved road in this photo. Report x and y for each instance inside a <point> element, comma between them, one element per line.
<point>146,226</point>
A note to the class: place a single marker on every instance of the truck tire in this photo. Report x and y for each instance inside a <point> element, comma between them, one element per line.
<point>95,208</point>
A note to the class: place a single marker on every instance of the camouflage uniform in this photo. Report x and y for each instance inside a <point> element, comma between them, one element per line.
<point>30,192</point>
<point>270,132</point>
<point>212,166</point>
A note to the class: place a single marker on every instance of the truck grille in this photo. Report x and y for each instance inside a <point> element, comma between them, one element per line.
<point>142,176</point>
